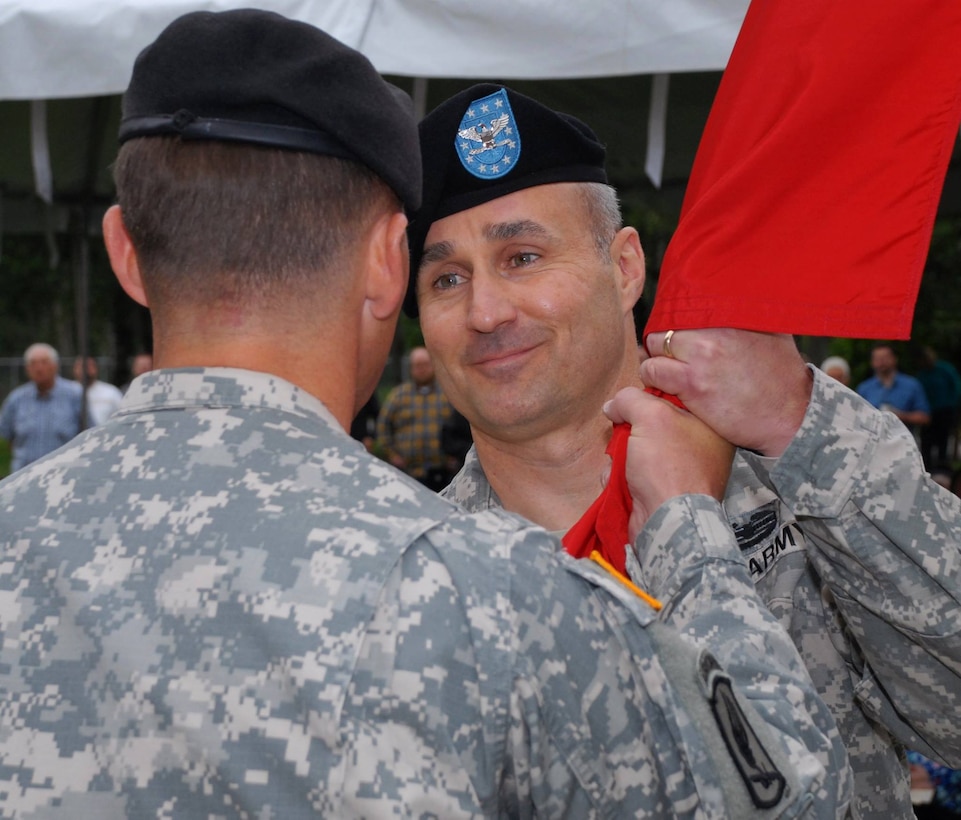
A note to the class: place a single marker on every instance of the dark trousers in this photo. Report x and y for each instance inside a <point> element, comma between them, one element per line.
<point>934,438</point>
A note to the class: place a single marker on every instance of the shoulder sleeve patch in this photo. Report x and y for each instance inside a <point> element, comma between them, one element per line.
<point>764,782</point>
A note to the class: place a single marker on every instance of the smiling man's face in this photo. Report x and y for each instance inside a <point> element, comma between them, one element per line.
<point>523,315</point>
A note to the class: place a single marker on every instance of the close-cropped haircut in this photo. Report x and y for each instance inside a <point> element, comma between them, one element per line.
<point>208,219</point>
<point>603,214</point>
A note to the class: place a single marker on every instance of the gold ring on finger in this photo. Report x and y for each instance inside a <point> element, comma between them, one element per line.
<point>667,344</point>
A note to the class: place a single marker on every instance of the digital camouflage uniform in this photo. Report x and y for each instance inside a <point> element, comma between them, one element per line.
<point>859,557</point>
<point>218,604</point>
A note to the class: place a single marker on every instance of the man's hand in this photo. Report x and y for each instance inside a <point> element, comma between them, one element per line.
<point>670,453</point>
<point>751,388</point>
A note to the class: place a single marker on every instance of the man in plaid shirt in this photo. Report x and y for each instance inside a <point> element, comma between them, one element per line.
<point>409,424</point>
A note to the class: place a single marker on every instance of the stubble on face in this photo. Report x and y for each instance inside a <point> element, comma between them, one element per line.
<point>563,343</point>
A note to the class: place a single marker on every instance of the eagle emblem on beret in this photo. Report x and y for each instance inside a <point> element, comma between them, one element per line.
<point>487,140</point>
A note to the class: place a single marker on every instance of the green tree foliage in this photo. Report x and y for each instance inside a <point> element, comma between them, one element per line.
<point>37,292</point>
<point>40,301</point>
<point>937,318</point>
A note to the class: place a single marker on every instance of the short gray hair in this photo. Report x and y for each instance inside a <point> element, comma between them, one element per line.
<point>832,362</point>
<point>603,214</point>
<point>42,348</point>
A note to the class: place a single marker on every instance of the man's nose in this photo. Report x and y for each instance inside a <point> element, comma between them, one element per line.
<point>491,301</point>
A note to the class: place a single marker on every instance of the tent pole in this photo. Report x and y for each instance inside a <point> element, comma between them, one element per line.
<point>81,253</point>
<point>657,129</point>
<point>420,97</point>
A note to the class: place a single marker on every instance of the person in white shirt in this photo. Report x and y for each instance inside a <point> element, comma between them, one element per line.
<point>102,398</point>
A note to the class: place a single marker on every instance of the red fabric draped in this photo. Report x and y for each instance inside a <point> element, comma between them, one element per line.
<point>603,528</point>
<point>814,191</point>
<point>813,194</point>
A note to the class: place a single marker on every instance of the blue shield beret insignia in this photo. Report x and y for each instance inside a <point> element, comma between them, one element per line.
<point>487,141</point>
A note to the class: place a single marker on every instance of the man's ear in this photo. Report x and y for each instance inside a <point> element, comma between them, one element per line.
<point>123,257</point>
<point>627,254</point>
<point>388,265</point>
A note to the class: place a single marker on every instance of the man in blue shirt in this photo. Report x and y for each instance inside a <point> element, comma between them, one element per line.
<point>889,389</point>
<point>40,416</point>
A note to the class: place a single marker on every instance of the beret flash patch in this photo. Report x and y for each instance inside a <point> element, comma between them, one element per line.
<point>487,141</point>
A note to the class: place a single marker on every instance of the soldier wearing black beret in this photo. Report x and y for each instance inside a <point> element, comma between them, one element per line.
<point>489,141</point>
<point>253,78</point>
<point>217,603</point>
<point>525,280</point>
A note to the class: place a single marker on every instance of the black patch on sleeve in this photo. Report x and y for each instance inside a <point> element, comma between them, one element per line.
<point>763,780</point>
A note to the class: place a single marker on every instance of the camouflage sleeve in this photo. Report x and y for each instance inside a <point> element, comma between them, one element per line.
<point>687,557</point>
<point>609,711</point>
<point>887,541</point>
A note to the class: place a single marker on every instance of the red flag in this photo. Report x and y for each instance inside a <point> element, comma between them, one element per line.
<point>814,190</point>
<point>603,528</point>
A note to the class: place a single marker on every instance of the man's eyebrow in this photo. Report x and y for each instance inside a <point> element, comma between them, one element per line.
<point>510,230</point>
<point>436,252</point>
<point>496,231</point>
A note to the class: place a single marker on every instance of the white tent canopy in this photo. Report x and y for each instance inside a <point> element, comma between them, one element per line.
<point>51,49</point>
<point>63,64</point>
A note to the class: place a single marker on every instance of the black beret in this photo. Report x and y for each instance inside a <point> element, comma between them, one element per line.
<point>490,141</point>
<point>256,77</point>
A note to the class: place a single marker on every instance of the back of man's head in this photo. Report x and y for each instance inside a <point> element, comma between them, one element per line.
<point>255,149</point>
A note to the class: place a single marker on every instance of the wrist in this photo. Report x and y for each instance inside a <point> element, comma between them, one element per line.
<point>789,415</point>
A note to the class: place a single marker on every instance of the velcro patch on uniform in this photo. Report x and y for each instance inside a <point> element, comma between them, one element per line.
<point>763,538</point>
<point>488,142</point>
<point>762,779</point>
<point>756,528</point>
